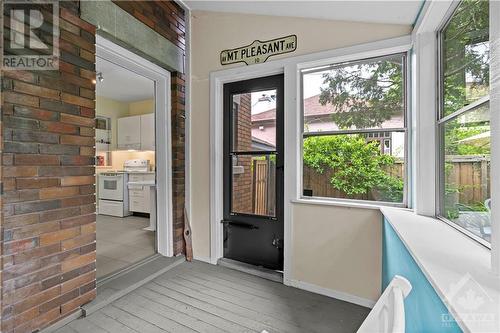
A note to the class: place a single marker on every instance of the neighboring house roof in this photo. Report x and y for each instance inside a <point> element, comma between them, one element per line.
<point>318,117</point>
<point>312,107</point>
<point>260,144</point>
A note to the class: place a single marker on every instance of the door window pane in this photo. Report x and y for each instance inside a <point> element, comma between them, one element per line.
<point>254,185</point>
<point>466,171</point>
<point>254,121</point>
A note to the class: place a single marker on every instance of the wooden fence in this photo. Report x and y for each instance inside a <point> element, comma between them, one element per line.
<point>264,184</point>
<point>469,175</point>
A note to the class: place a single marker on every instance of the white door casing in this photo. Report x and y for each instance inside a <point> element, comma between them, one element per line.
<point>131,61</point>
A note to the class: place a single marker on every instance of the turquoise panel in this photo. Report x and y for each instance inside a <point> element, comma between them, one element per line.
<point>424,309</point>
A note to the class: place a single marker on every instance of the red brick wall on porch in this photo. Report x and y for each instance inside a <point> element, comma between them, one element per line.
<point>48,201</point>
<point>168,19</point>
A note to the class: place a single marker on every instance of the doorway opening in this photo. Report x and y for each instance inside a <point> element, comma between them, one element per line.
<point>132,160</point>
<point>125,150</point>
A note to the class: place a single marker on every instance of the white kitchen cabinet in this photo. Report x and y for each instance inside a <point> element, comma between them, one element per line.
<point>148,131</point>
<point>140,196</point>
<point>129,132</point>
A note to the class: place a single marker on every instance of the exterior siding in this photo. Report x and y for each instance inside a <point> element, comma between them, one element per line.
<point>48,175</point>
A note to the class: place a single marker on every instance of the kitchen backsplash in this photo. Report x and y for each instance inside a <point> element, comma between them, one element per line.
<point>119,156</point>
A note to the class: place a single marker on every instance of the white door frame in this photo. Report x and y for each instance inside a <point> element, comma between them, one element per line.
<point>118,55</point>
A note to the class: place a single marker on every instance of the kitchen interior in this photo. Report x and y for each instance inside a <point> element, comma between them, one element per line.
<point>126,177</point>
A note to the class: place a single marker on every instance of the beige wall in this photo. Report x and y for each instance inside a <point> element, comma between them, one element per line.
<point>112,109</point>
<point>141,107</point>
<point>338,248</point>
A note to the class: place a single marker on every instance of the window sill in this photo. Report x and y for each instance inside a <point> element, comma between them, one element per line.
<point>449,258</point>
<point>346,203</point>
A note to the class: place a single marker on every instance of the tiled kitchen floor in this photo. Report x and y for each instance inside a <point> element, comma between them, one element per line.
<point>122,242</point>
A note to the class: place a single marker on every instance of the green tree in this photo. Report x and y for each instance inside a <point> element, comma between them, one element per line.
<point>466,55</point>
<point>367,93</point>
<point>359,168</point>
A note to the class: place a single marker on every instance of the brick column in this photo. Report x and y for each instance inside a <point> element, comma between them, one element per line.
<point>48,222</point>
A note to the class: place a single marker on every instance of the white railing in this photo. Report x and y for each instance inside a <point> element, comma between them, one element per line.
<point>388,314</point>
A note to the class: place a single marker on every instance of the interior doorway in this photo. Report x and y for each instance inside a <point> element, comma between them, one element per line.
<point>132,160</point>
<point>125,150</point>
<point>253,171</point>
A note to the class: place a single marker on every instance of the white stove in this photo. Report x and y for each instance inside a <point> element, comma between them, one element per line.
<point>114,190</point>
<point>113,194</point>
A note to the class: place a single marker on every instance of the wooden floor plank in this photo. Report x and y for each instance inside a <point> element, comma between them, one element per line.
<point>249,315</point>
<point>65,329</point>
<point>219,322</point>
<point>216,309</point>
<point>259,285</point>
<point>191,322</point>
<point>132,306</point>
<point>201,298</point>
<point>109,324</point>
<point>278,311</point>
<point>86,326</point>
<point>130,320</point>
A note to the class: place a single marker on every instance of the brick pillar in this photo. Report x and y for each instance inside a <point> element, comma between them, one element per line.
<point>48,222</point>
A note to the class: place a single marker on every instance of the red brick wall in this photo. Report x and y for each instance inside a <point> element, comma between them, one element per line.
<point>48,202</point>
<point>168,19</point>
<point>242,183</point>
<point>48,222</point>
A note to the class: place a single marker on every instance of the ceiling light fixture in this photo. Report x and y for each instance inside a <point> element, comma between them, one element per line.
<point>100,77</point>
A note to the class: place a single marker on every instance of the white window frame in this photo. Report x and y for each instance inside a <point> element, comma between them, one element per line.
<point>407,130</point>
<point>426,91</point>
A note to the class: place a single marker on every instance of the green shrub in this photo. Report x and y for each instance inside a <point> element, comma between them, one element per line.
<point>359,167</point>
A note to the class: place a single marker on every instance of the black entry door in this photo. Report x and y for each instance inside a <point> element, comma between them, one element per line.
<point>253,171</point>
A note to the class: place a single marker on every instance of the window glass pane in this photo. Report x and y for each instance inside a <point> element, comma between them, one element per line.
<point>358,95</point>
<point>254,121</point>
<point>254,184</point>
<point>368,166</point>
<point>466,55</point>
<point>466,171</point>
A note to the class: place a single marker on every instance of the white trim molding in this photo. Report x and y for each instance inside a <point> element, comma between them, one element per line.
<point>340,295</point>
<point>131,61</point>
<point>425,141</point>
<point>292,174</point>
<point>495,133</point>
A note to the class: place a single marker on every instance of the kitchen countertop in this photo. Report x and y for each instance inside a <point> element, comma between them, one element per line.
<point>128,172</point>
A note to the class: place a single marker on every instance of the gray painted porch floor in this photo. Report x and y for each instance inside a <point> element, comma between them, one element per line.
<point>198,297</point>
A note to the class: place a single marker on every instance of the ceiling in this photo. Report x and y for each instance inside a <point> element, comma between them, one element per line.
<point>376,11</point>
<point>122,84</point>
